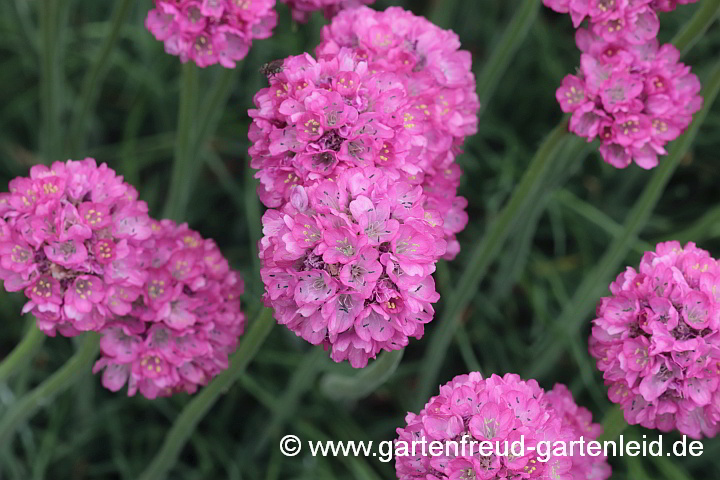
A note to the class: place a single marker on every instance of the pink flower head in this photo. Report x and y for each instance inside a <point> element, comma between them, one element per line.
<point>302,9</point>
<point>80,244</point>
<point>346,110</point>
<point>437,75</point>
<point>183,321</point>
<point>634,100</point>
<point>211,31</point>
<point>656,340</point>
<point>64,232</point>
<point>307,127</point>
<point>632,93</point>
<point>352,270</point>
<point>633,21</point>
<point>440,85</point>
<point>471,409</point>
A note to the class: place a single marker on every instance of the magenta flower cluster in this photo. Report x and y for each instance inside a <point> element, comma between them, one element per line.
<point>208,32</point>
<point>633,21</point>
<point>440,89</point>
<point>499,410</point>
<point>211,31</point>
<point>348,263</point>
<point>356,155</point>
<point>657,340</point>
<point>302,9</point>
<point>630,92</point>
<point>81,245</point>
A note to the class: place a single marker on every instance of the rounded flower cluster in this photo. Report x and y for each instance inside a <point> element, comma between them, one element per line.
<point>630,92</point>
<point>81,245</point>
<point>355,152</point>
<point>634,21</point>
<point>440,85</point>
<point>657,341</point>
<point>320,118</point>
<point>302,9</point>
<point>499,410</point>
<point>211,31</point>
<point>634,99</point>
<point>348,263</point>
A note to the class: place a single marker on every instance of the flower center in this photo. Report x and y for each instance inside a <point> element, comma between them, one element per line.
<point>152,363</point>
<point>20,254</point>
<point>156,288</point>
<point>83,288</point>
<point>43,288</point>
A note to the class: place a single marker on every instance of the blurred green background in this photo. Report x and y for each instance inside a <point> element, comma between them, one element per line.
<point>530,313</point>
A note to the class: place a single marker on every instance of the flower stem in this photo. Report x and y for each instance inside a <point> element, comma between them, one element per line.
<point>50,18</point>
<point>43,394</point>
<point>23,352</point>
<point>442,12</point>
<point>575,313</point>
<point>94,77</point>
<point>503,53</point>
<point>526,194</point>
<point>493,70</point>
<point>613,424</point>
<point>217,97</point>
<point>191,135</point>
<point>191,415</point>
<point>302,380</point>
<point>694,30</point>
<point>181,180</point>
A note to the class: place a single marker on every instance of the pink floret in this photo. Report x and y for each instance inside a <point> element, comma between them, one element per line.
<point>633,20</point>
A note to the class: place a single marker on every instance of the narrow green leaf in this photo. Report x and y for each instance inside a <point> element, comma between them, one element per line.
<point>359,467</point>
<point>73,371</point>
<point>94,77</point>
<point>181,178</point>
<point>23,352</point>
<point>670,470</point>
<point>442,12</point>
<point>193,413</point>
<point>466,350</point>
<point>705,227</point>
<point>694,30</point>
<point>302,380</point>
<point>196,123</point>
<point>592,214</point>
<point>614,424</point>
<point>504,52</point>
<point>636,470</point>
<point>51,19</point>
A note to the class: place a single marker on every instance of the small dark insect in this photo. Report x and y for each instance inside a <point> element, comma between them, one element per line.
<point>273,68</point>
